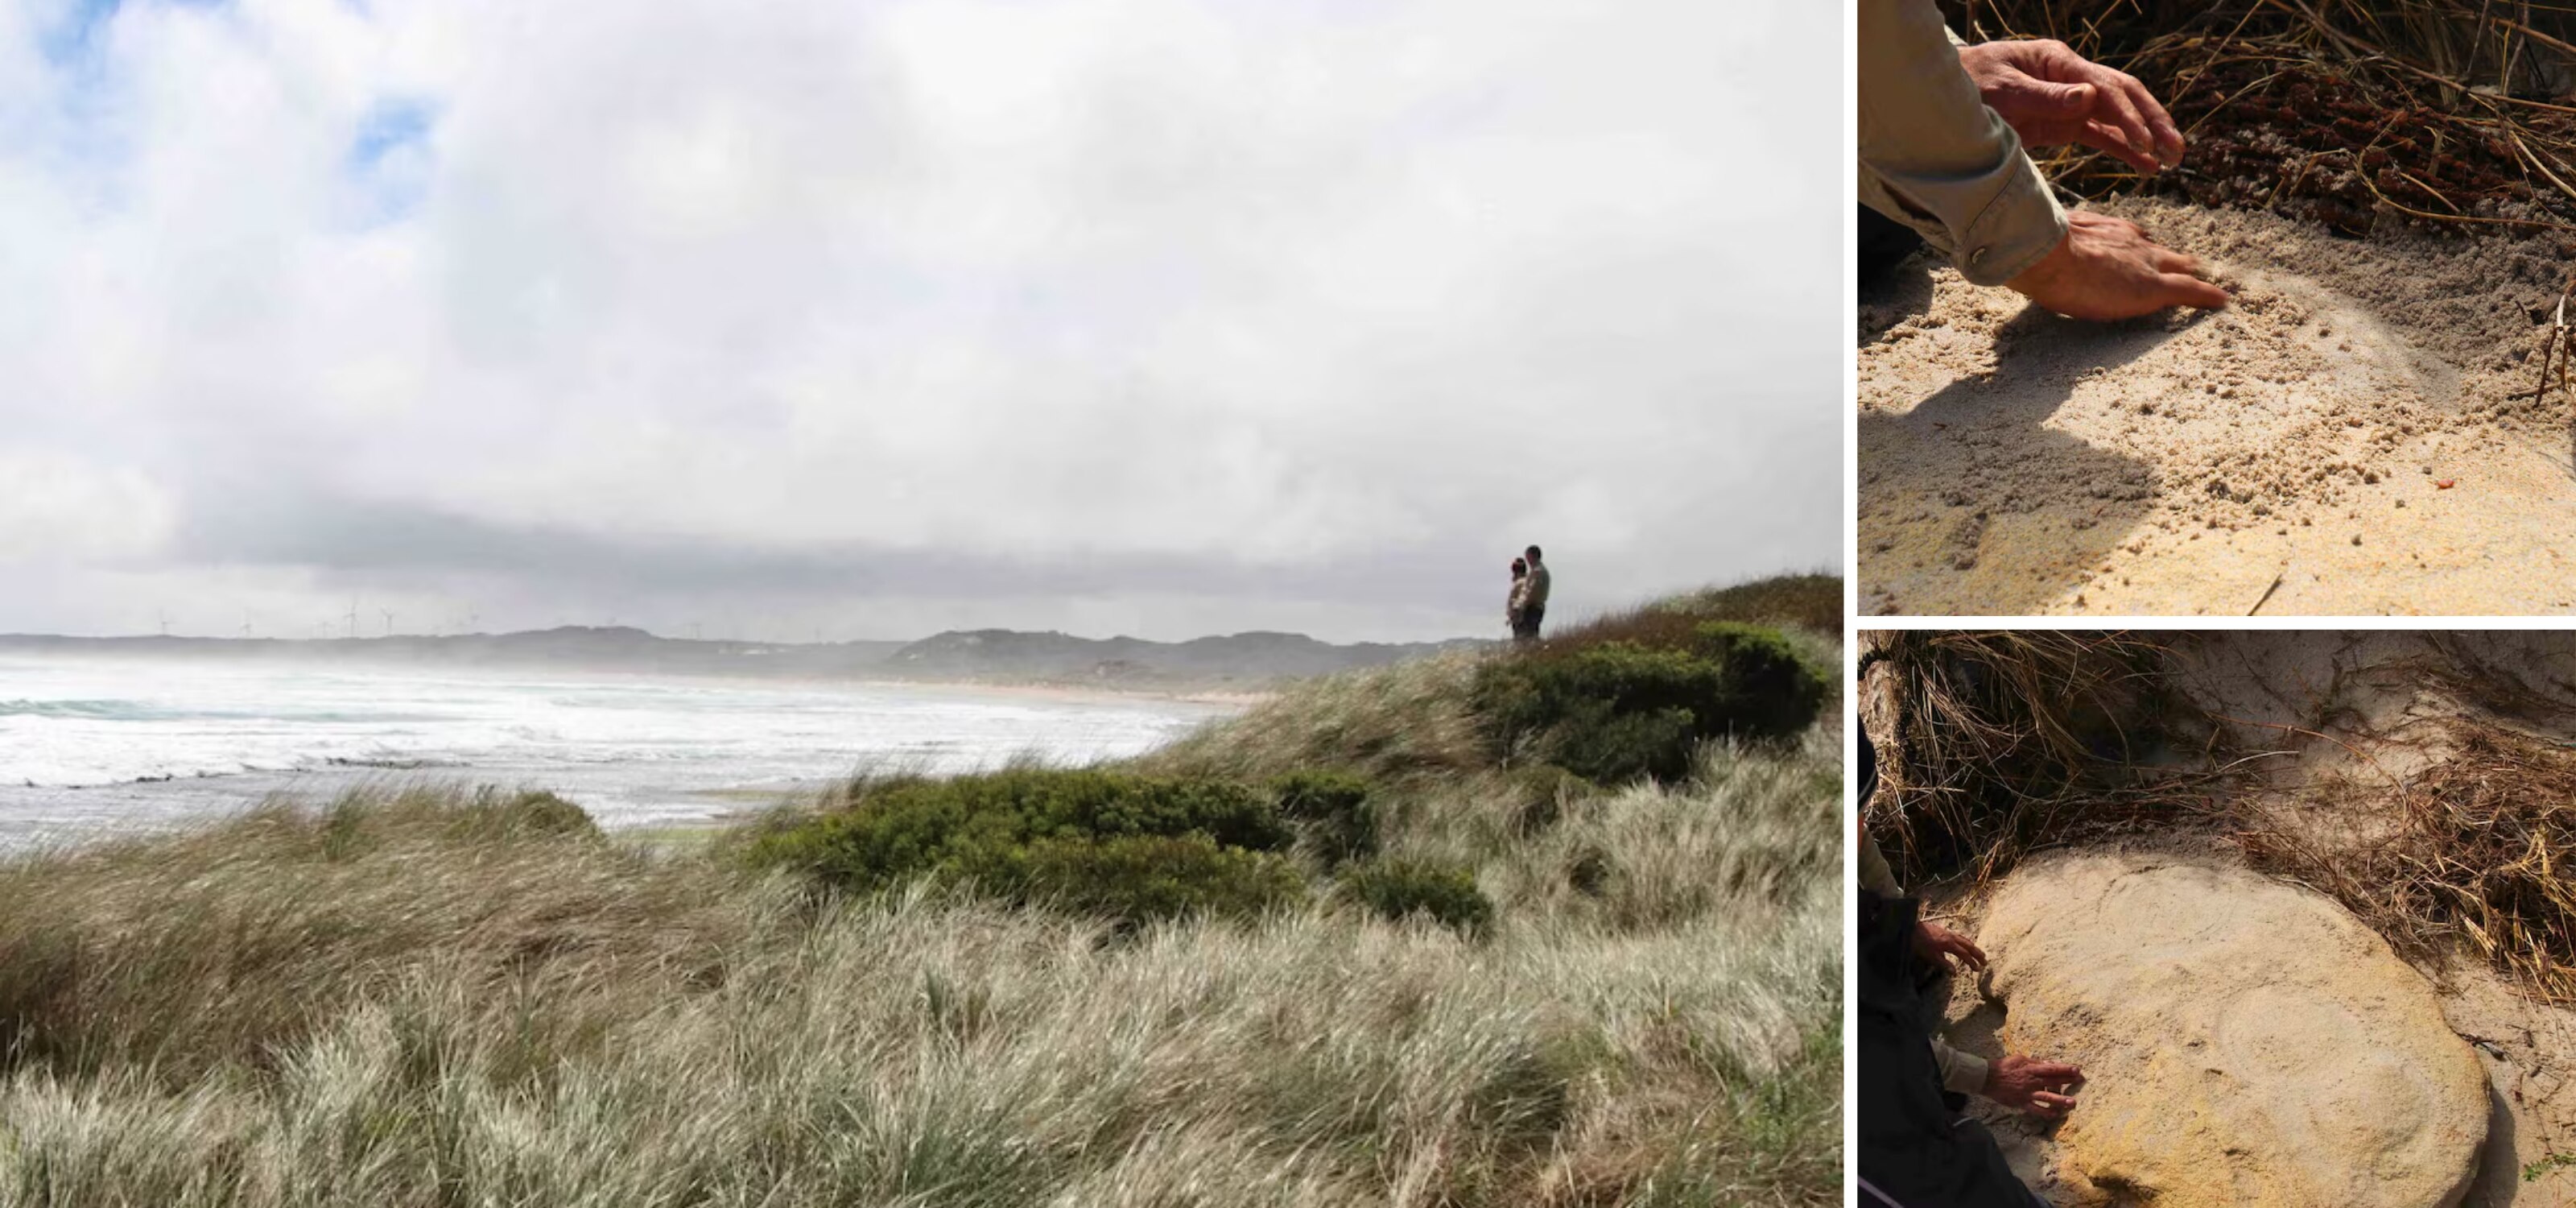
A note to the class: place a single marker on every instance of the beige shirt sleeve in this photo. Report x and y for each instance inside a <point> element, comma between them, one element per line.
<point>1933,157</point>
<point>1961,1071</point>
<point>1875,875</point>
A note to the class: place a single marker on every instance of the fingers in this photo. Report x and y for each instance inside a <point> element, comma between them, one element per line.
<point>2185,290</point>
<point>2119,110</point>
<point>2133,124</point>
<point>2043,1103</point>
<point>2053,1073</point>
<point>1967,950</point>
<point>2108,140</point>
<point>2160,124</point>
<point>2060,101</point>
<point>2168,260</point>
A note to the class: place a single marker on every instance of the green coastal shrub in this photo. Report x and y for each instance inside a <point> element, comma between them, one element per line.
<point>359,822</point>
<point>1331,810</point>
<point>1140,877</point>
<point>1051,836</point>
<point>1775,692</point>
<point>1619,710</point>
<point>538,812</point>
<point>1394,889</point>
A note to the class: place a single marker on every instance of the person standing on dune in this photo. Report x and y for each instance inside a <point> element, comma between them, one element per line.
<point>1512,600</point>
<point>1942,129</point>
<point>1532,598</point>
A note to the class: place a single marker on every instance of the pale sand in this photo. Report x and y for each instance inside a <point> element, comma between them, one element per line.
<point>2013,462</point>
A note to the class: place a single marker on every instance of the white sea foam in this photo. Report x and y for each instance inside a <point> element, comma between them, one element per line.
<point>89,742</point>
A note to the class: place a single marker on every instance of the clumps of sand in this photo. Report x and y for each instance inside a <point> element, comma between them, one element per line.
<point>2355,435</point>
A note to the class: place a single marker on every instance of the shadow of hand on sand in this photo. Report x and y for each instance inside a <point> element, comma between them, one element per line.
<point>1970,505</point>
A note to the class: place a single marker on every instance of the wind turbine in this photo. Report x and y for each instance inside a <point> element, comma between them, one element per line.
<point>389,621</point>
<point>353,616</point>
<point>164,614</point>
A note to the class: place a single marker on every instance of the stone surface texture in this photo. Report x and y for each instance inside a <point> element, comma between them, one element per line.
<point>2245,1040</point>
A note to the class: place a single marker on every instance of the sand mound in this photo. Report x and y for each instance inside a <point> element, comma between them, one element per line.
<point>2248,1042</point>
<point>2288,452</point>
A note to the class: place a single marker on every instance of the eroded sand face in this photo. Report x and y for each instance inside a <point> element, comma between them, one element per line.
<point>2288,452</point>
<point>2246,1041</point>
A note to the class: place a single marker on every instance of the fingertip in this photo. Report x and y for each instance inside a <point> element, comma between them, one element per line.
<point>2194,292</point>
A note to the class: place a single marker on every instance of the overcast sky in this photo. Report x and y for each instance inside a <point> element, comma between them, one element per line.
<point>1162,317</point>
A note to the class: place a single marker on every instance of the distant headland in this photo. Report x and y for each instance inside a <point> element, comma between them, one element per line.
<point>1244,660</point>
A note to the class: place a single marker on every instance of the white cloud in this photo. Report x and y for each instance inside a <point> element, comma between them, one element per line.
<point>58,508</point>
<point>1291,285</point>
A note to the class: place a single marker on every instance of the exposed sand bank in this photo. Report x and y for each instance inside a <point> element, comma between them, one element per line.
<point>2288,453</point>
<point>2349,720</point>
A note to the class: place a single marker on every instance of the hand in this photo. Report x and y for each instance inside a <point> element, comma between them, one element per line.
<point>2052,96</point>
<point>2107,268</point>
<point>2037,1087</point>
<point>1937,944</point>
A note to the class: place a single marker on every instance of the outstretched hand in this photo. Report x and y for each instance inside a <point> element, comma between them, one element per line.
<point>2038,1087</point>
<point>1937,944</point>
<point>2052,96</point>
<point>2106,268</point>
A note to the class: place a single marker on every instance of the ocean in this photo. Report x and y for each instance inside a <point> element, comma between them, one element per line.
<point>92,745</point>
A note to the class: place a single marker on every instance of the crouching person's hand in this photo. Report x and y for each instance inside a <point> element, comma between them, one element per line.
<point>2042,1088</point>
<point>2106,268</point>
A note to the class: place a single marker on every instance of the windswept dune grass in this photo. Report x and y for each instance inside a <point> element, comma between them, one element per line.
<point>413,998</point>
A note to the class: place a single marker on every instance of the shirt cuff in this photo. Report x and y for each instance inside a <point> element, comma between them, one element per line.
<point>2016,230</point>
<point>1963,1072</point>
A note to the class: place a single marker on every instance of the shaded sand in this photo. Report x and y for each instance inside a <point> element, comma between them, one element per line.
<point>2285,453</point>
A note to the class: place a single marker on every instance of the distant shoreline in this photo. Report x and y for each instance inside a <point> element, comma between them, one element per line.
<point>1232,669</point>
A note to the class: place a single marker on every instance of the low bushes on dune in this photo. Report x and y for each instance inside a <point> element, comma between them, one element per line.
<point>1333,811</point>
<point>1134,878</point>
<point>1620,709</point>
<point>1398,889</point>
<point>1117,844</point>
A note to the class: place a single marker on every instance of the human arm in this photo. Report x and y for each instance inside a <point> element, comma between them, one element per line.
<point>1934,157</point>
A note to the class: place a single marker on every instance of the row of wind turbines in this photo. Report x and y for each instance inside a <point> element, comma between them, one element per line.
<point>347,622</point>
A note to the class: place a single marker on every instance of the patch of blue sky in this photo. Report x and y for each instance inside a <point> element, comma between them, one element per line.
<point>72,39</point>
<point>389,159</point>
<point>388,127</point>
<point>73,35</point>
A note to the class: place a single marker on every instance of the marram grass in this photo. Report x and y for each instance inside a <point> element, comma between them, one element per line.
<point>377,1005</point>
